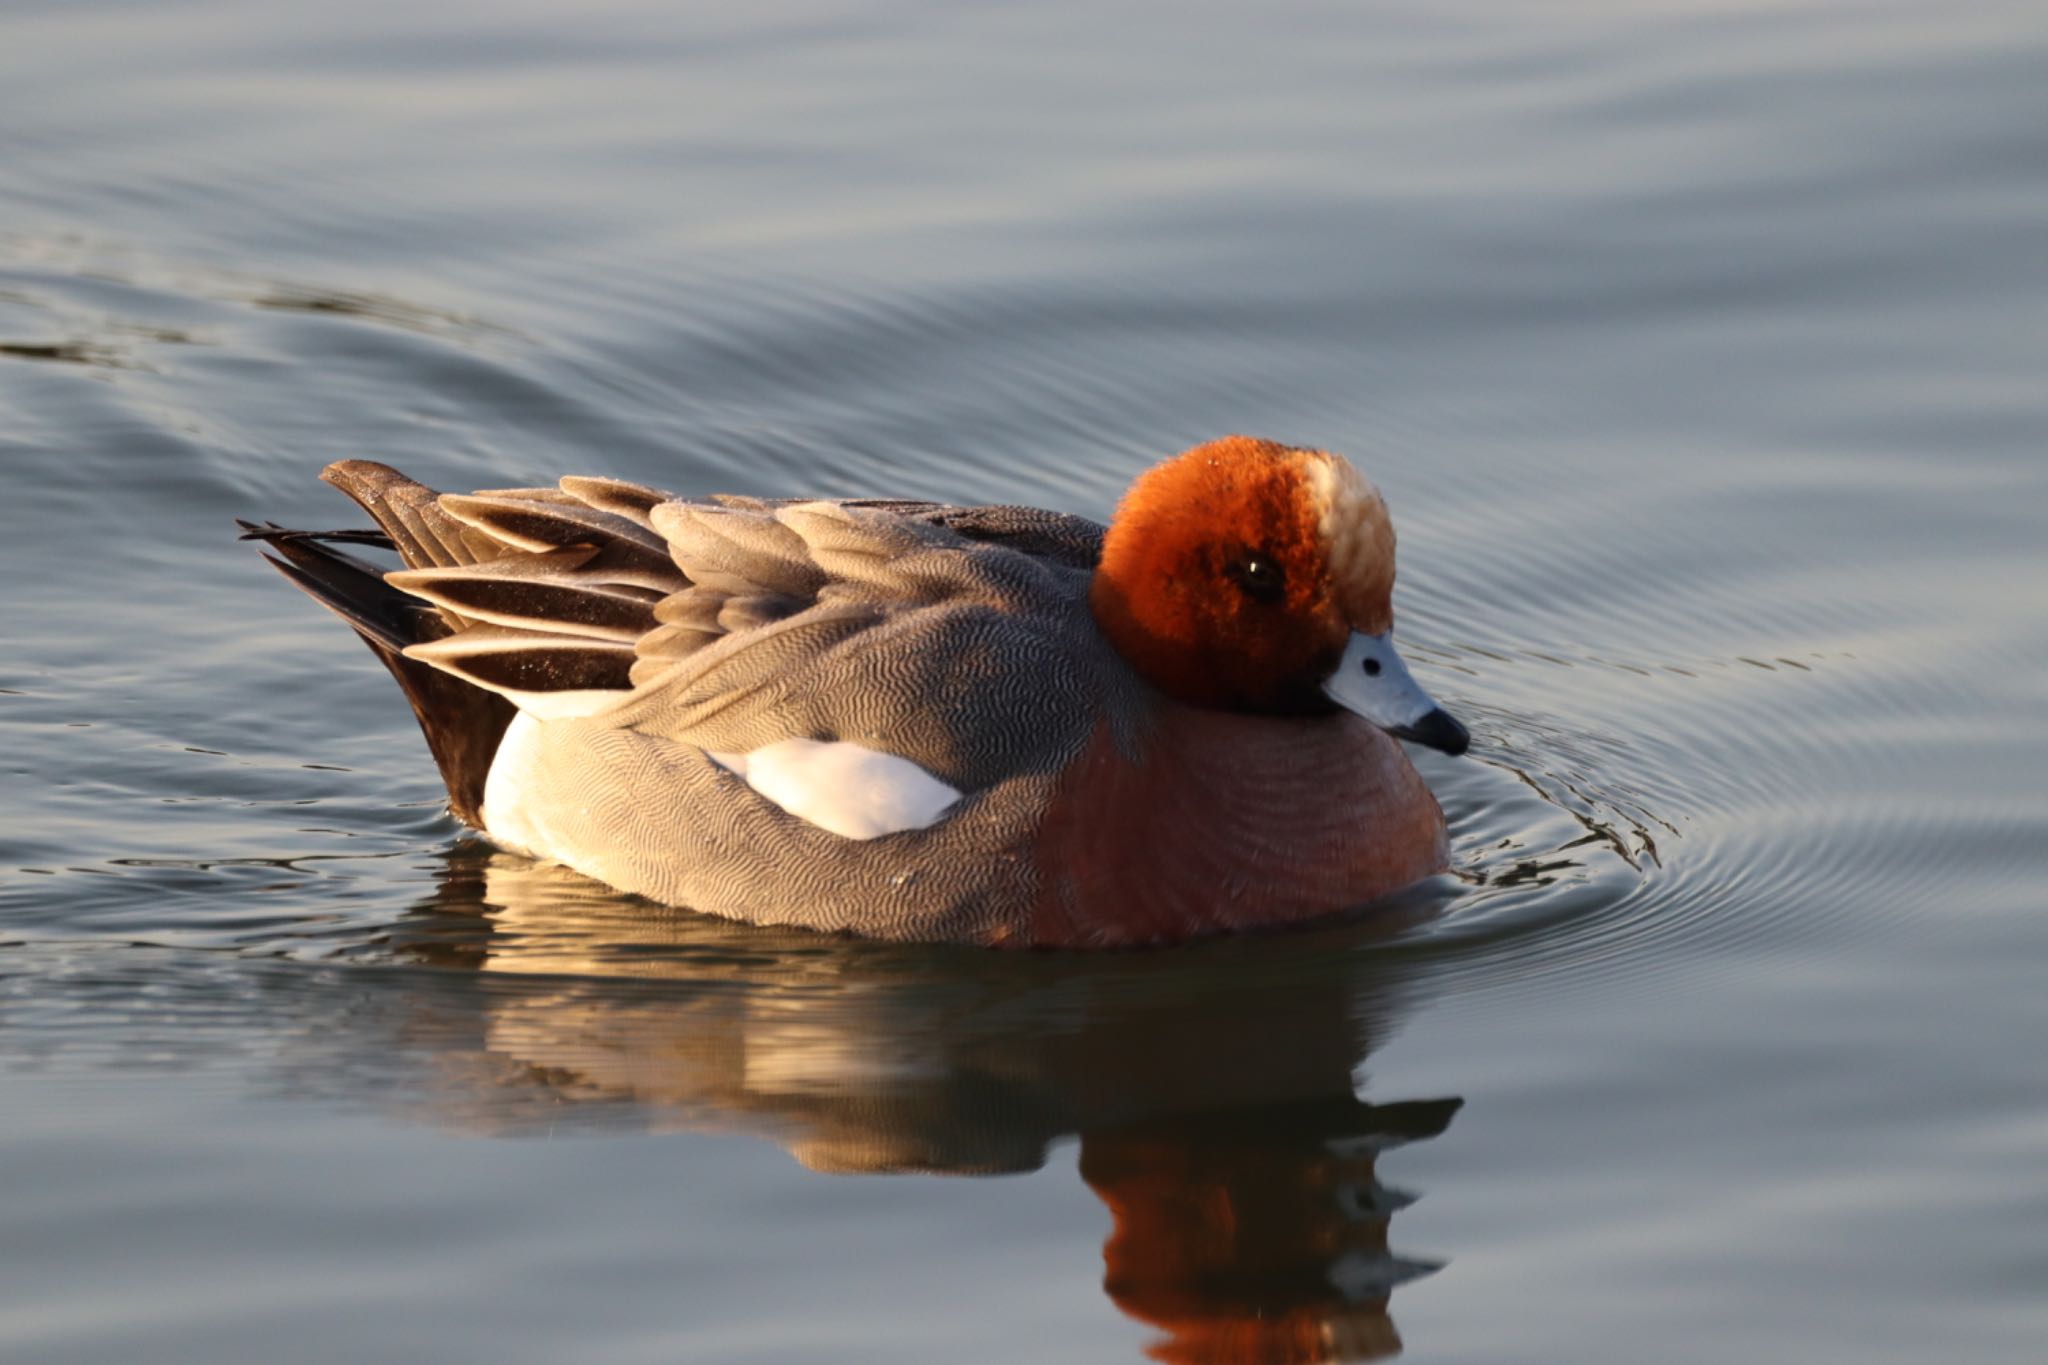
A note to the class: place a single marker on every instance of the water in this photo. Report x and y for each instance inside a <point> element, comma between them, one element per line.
<point>1699,351</point>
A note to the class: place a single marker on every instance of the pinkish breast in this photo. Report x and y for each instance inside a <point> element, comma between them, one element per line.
<point>1227,822</point>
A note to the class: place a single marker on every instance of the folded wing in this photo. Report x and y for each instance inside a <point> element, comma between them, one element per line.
<point>945,634</point>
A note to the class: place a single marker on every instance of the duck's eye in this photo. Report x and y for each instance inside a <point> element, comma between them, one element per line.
<point>1260,576</point>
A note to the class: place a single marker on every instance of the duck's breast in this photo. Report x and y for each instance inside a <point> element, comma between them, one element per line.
<point>1215,821</point>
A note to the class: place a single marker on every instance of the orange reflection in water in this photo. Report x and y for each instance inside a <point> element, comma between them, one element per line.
<point>1249,1240</point>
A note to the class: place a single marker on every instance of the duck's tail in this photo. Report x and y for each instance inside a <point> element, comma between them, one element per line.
<point>463,723</point>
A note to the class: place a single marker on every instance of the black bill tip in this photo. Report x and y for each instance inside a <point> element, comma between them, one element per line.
<point>1439,730</point>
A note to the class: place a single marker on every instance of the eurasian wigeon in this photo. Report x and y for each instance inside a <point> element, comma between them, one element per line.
<point>905,720</point>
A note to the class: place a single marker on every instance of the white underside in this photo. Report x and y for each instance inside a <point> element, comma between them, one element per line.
<point>846,789</point>
<point>509,788</point>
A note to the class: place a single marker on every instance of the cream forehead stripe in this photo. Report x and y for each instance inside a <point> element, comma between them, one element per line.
<point>1357,535</point>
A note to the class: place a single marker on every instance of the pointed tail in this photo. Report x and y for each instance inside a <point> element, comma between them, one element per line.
<point>463,723</point>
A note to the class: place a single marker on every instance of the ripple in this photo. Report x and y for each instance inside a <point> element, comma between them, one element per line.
<point>66,353</point>
<point>381,309</point>
<point>94,282</point>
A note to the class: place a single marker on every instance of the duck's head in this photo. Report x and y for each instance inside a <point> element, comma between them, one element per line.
<point>1248,576</point>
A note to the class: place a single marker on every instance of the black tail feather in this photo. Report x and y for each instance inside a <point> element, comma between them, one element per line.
<point>270,530</point>
<point>463,723</point>
<point>353,589</point>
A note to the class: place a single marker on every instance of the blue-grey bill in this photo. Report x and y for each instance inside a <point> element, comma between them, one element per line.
<point>1373,681</point>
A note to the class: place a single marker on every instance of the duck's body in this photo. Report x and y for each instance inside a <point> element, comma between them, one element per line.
<point>903,720</point>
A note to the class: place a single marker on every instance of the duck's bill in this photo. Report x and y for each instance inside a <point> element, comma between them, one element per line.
<point>1372,681</point>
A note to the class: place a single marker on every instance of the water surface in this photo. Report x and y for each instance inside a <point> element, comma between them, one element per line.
<point>1699,352</point>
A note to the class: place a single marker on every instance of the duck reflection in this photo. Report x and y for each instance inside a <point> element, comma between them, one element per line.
<point>1211,1088</point>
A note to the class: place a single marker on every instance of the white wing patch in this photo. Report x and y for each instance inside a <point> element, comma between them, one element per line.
<point>847,789</point>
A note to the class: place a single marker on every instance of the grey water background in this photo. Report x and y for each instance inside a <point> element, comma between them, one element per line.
<point>1700,349</point>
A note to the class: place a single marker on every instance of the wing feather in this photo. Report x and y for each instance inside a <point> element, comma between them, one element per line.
<point>629,500</point>
<point>550,519</point>
<point>526,666</point>
<point>738,551</point>
<point>538,592</point>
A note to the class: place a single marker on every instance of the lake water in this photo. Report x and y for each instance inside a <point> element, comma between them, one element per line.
<point>1700,349</point>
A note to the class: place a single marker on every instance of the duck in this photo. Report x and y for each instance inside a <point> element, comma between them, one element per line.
<point>908,720</point>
